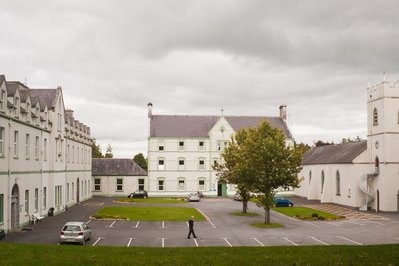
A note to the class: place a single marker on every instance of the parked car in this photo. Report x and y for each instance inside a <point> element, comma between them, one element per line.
<point>283,202</point>
<point>75,232</point>
<point>193,197</point>
<point>138,194</point>
<point>237,197</point>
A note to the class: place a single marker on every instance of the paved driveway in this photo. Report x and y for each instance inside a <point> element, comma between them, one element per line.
<point>222,229</point>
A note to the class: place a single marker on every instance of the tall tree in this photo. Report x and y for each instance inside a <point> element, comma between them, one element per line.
<point>140,160</point>
<point>96,150</point>
<point>108,153</point>
<point>264,162</point>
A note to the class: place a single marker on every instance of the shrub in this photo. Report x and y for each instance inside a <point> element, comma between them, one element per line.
<point>315,215</point>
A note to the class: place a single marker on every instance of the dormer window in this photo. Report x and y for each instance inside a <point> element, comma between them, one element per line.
<point>28,111</point>
<point>375,117</point>
<point>16,105</point>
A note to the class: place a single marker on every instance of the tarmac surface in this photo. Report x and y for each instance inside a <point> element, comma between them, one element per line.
<point>221,228</point>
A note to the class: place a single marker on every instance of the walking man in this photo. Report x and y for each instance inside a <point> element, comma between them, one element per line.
<point>191,227</point>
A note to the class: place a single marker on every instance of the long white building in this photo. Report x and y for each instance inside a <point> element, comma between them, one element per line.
<point>365,174</point>
<point>45,154</point>
<point>183,148</point>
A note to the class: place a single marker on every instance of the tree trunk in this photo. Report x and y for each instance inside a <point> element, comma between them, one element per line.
<point>267,215</point>
<point>244,206</point>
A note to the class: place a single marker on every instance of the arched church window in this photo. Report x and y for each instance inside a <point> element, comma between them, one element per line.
<point>338,183</point>
<point>322,181</point>
<point>375,117</point>
<point>310,177</point>
<point>377,162</point>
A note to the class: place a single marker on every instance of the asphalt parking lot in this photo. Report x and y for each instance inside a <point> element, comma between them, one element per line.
<point>221,229</point>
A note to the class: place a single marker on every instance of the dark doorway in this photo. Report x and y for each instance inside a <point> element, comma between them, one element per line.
<point>222,189</point>
<point>15,207</point>
<point>378,200</point>
<point>77,190</point>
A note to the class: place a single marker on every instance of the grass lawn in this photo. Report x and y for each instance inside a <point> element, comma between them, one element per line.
<point>153,200</point>
<point>263,225</point>
<point>149,213</point>
<point>248,214</point>
<point>34,254</point>
<point>304,213</point>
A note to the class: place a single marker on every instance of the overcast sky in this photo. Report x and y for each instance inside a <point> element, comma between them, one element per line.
<point>195,57</point>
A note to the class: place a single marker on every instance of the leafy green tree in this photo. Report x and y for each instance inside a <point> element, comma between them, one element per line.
<point>229,170</point>
<point>108,153</point>
<point>140,160</point>
<point>264,162</point>
<point>320,143</point>
<point>96,150</point>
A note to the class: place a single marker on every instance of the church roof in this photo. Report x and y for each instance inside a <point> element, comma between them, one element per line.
<point>334,154</point>
<point>186,126</point>
<point>116,167</point>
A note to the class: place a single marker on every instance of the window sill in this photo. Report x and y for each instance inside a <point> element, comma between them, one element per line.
<point>338,194</point>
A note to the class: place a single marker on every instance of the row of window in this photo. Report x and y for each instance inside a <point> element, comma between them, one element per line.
<point>80,155</point>
<point>44,200</point>
<point>181,163</point>
<point>181,184</point>
<point>337,182</point>
<point>119,184</point>
<point>201,145</point>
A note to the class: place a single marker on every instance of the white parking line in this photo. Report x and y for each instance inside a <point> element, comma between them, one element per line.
<point>163,241</point>
<point>312,224</point>
<point>352,222</point>
<point>211,223</point>
<point>259,242</point>
<point>324,243</point>
<point>163,224</point>
<point>350,240</point>
<point>137,225</point>
<point>112,224</point>
<point>130,241</point>
<point>196,243</point>
<point>295,244</point>
<point>95,243</point>
<point>374,222</point>
<point>225,239</point>
<point>88,221</point>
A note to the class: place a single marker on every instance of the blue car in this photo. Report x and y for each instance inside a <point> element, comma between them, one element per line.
<point>282,202</point>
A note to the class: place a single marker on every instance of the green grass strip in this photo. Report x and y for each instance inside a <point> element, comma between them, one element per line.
<point>150,213</point>
<point>34,254</point>
<point>270,225</point>
<point>305,213</point>
<point>248,214</point>
<point>153,200</point>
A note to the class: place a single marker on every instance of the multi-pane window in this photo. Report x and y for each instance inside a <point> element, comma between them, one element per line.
<point>37,148</point>
<point>161,164</point>
<point>45,149</point>
<point>2,140</point>
<point>322,181</point>
<point>338,183</point>
<point>28,111</point>
<point>181,145</point>
<point>161,184</point>
<point>26,201</point>
<point>27,148</point>
<point>45,198</point>
<point>201,164</point>
<point>181,184</point>
<point>201,145</point>
<point>141,183</point>
<point>16,106</point>
<point>221,144</point>
<point>201,184</point>
<point>310,177</point>
<point>58,195</point>
<point>36,199</point>
<point>97,184</point>
<point>119,184</point>
<point>181,163</point>
<point>15,144</point>
<point>67,193</point>
<point>2,100</point>
<point>1,208</point>
<point>161,147</point>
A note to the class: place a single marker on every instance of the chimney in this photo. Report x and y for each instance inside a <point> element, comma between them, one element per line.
<point>69,113</point>
<point>149,106</point>
<point>283,111</point>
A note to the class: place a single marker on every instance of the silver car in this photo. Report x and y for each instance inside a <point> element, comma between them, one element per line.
<point>193,197</point>
<point>75,232</point>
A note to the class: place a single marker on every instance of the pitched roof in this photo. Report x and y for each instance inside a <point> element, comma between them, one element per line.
<point>334,154</point>
<point>199,126</point>
<point>46,97</point>
<point>2,78</point>
<point>116,167</point>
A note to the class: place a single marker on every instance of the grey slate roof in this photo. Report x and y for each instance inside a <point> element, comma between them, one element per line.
<point>334,154</point>
<point>2,78</point>
<point>199,126</point>
<point>116,167</point>
<point>46,97</point>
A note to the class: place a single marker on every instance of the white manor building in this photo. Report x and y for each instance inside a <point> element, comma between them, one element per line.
<point>183,148</point>
<point>45,154</point>
<point>365,174</point>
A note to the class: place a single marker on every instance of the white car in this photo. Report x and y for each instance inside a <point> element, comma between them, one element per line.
<point>193,197</point>
<point>75,232</point>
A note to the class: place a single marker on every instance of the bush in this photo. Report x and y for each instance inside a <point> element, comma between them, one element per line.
<point>315,215</point>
